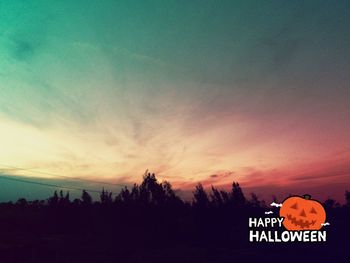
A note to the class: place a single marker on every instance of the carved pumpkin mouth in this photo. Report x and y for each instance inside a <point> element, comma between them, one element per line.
<point>300,222</point>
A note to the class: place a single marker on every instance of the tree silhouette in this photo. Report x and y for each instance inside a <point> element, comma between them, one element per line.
<point>347,198</point>
<point>106,197</point>
<point>124,196</point>
<point>63,200</point>
<point>200,196</point>
<point>22,202</point>
<point>53,200</point>
<point>237,196</point>
<point>225,197</point>
<point>216,197</point>
<point>171,198</point>
<point>135,193</point>
<point>151,192</point>
<point>330,204</point>
<point>86,198</point>
<point>254,201</point>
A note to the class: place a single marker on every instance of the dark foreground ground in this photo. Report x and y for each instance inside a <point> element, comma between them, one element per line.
<point>150,224</point>
<point>98,234</point>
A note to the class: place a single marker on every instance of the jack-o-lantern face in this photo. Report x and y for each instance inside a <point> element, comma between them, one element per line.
<point>302,213</point>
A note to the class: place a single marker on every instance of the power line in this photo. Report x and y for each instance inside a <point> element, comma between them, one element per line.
<point>62,176</point>
<point>48,185</point>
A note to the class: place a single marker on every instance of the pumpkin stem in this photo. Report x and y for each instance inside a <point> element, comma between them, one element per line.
<point>307,197</point>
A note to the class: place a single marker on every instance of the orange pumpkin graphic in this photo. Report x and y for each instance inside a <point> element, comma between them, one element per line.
<point>302,213</point>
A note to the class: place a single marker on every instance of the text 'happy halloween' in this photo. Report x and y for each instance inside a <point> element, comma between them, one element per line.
<point>278,236</point>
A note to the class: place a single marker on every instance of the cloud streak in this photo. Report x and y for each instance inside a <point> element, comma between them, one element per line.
<point>109,92</point>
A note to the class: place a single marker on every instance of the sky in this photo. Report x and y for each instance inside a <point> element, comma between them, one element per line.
<point>195,91</point>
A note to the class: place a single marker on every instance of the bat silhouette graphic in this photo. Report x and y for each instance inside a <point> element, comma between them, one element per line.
<point>276,205</point>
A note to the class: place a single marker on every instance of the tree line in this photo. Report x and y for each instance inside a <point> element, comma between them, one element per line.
<point>149,222</point>
<point>151,192</point>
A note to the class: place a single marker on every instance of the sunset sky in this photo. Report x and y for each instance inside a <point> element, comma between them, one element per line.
<point>195,91</point>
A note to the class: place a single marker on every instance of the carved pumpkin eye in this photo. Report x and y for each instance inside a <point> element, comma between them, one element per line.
<point>295,206</point>
<point>313,211</point>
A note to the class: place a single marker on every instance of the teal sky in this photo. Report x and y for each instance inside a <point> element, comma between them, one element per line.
<point>210,91</point>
